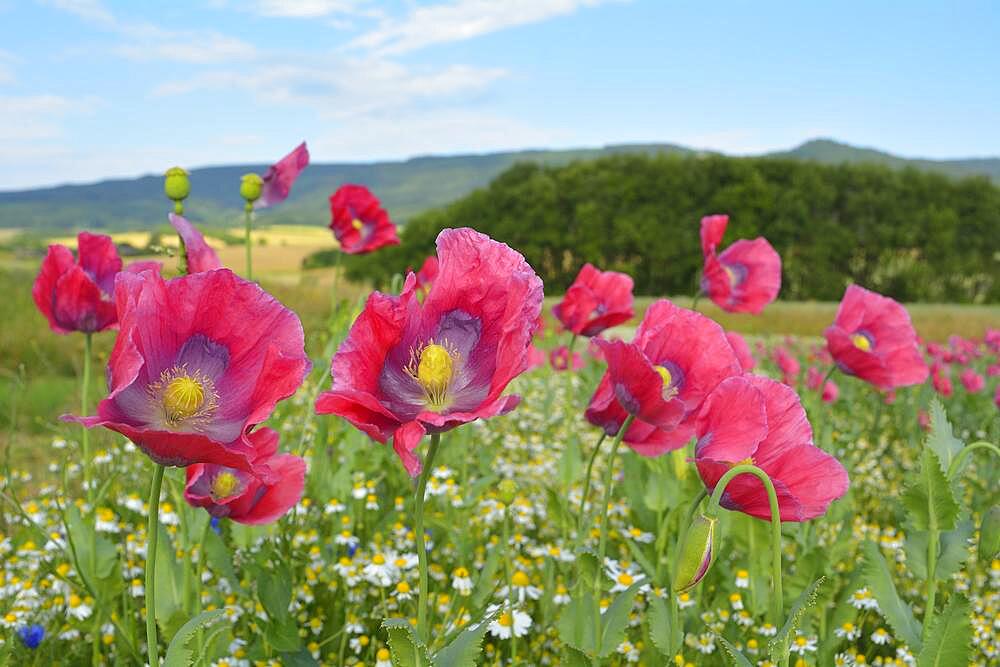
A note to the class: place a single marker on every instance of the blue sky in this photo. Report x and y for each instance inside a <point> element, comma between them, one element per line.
<point>91,89</point>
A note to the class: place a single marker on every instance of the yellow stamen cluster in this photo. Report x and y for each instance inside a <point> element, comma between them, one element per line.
<point>224,485</point>
<point>357,224</point>
<point>187,398</point>
<point>861,342</point>
<point>433,367</point>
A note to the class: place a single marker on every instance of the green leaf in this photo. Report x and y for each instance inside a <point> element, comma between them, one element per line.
<point>570,463</point>
<point>896,612</point>
<point>666,638</point>
<point>466,647</point>
<point>989,534</point>
<point>275,591</point>
<point>950,636</point>
<point>178,654</point>
<point>929,499</point>
<point>573,658</point>
<point>941,439</point>
<point>615,619</point>
<point>576,624</point>
<point>300,658</point>
<point>169,582</point>
<point>487,579</point>
<point>406,650</point>
<point>955,545</point>
<point>732,654</point>
<point>778,646</point>
<point>657,496</point>
<point>283,633</point>
<point>557,508</point>
<point>588,568</point>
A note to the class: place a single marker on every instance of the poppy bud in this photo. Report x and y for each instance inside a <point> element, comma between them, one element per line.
<point>176,184</point>
<point>508,491</point>
<point>251,186</point>
<point>696,554</point>
<point>989,534</point>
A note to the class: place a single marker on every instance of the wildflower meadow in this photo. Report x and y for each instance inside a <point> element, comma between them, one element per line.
<point>463,469</point>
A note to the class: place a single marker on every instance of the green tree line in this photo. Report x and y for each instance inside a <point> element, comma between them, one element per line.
<point>912,235</point>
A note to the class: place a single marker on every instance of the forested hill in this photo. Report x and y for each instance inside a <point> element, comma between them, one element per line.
<point>407,187</point>
<point>913,235</point>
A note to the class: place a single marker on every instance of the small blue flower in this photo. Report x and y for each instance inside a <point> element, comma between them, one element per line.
<point>31,635</point>
<point>214,523</point>
<point>352,548</point>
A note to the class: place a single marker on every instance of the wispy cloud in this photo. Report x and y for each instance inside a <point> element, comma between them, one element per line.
<point>307,8</point>
<point>90,10</point>
<point>460,20</point>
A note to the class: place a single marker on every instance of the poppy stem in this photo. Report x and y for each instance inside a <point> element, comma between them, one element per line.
<point>152,537</point>
<point>248,221</point>
<point>696,299</point>
<point>586,491</point>
<point>833,369</point>
<point>418,527</point>
<point>572,344</point>
<point>609,480</point>
<point>84,408</point>
<point>956,463</point>
<point>777,597</point>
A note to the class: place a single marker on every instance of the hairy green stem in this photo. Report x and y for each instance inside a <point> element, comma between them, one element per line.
<point>609,479</point>
<point>581,521</point>
<point>418,527</point>
<point>777,597</point>
<point>510,583</point>
<point>152,537</point>
<point>88,481</point>
<point>956,463</point>
<point>248,222</point>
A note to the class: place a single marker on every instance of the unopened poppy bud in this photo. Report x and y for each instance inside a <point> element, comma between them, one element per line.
<point>696,554</point>
<point>508,491</point>
<point>251,185</point>
<point>176,184</point>
<point>989,534</point>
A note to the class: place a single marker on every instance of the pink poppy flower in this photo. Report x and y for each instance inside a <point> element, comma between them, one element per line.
<point>814,378</point>
<point>408,368</point>
<point>752,419</point>
<point>924,420</point>
<point>597,300</point>
<point>972,381</point>
<point>427,273</point>
<point>536,357</point>
<point>359,222</point>
<point>787,364</point>
<point>559,359</point>
<point>830,392</point>
<point>872,338</point>
<point>198,362</point>
<point>996,397</point>
<point>200,256</point>
<point>744,277</point>
<point>742,350</point>
<point>74,294</point>
<point>279,177</point>
<point>242,496</point>
<point>942,383</point>
<point>688,355</point>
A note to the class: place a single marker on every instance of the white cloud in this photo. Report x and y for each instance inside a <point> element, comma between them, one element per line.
<point>460,20</point>
<point>148,42</point>
<point>89,10</point>
<point>306,8</point>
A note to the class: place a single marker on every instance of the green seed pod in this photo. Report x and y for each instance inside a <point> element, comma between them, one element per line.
<point>251,186</point>
<point>697,553</point>
<point>989,534</point>
<point>508,491</point>
<point>176,184</point>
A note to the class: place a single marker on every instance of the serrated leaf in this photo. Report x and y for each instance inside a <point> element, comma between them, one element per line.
<point>989,534</point>
<point>615,620</point>
<point>896,612</point>
<point>954,550</point>
<point>406,649</point>
<point>665,637</point>
<point>779,644</point>
<point>465,648</point>
<point>587,567</point>
<point>557,509</point>
<point>573,658</point>
<point>733,655</point>
<point>576,624</point>
<point>283,633</point>
<point>929,499</point>
<point>950,636</point>
<point>178,654</point>
<point>275,591</point>
<point>300,658</point>
<point>941,439</point>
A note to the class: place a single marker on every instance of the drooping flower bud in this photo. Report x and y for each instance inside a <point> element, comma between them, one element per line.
<point>177,187</point>
<point>989,534</point>
<point>696,554</point>
<point>251,186</point>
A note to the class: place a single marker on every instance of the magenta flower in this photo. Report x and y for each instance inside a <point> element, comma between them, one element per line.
<point>744,277</point>
<point>242,496</point>
<point>742,350</point>
<point>972,381</point>
<point>198,362</point>
<point>200,256</point>
<point>407,369</point>
<point>279,177</point>
<point>597,300</point>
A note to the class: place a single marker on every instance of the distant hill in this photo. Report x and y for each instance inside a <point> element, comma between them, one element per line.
<point>406,187</point>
